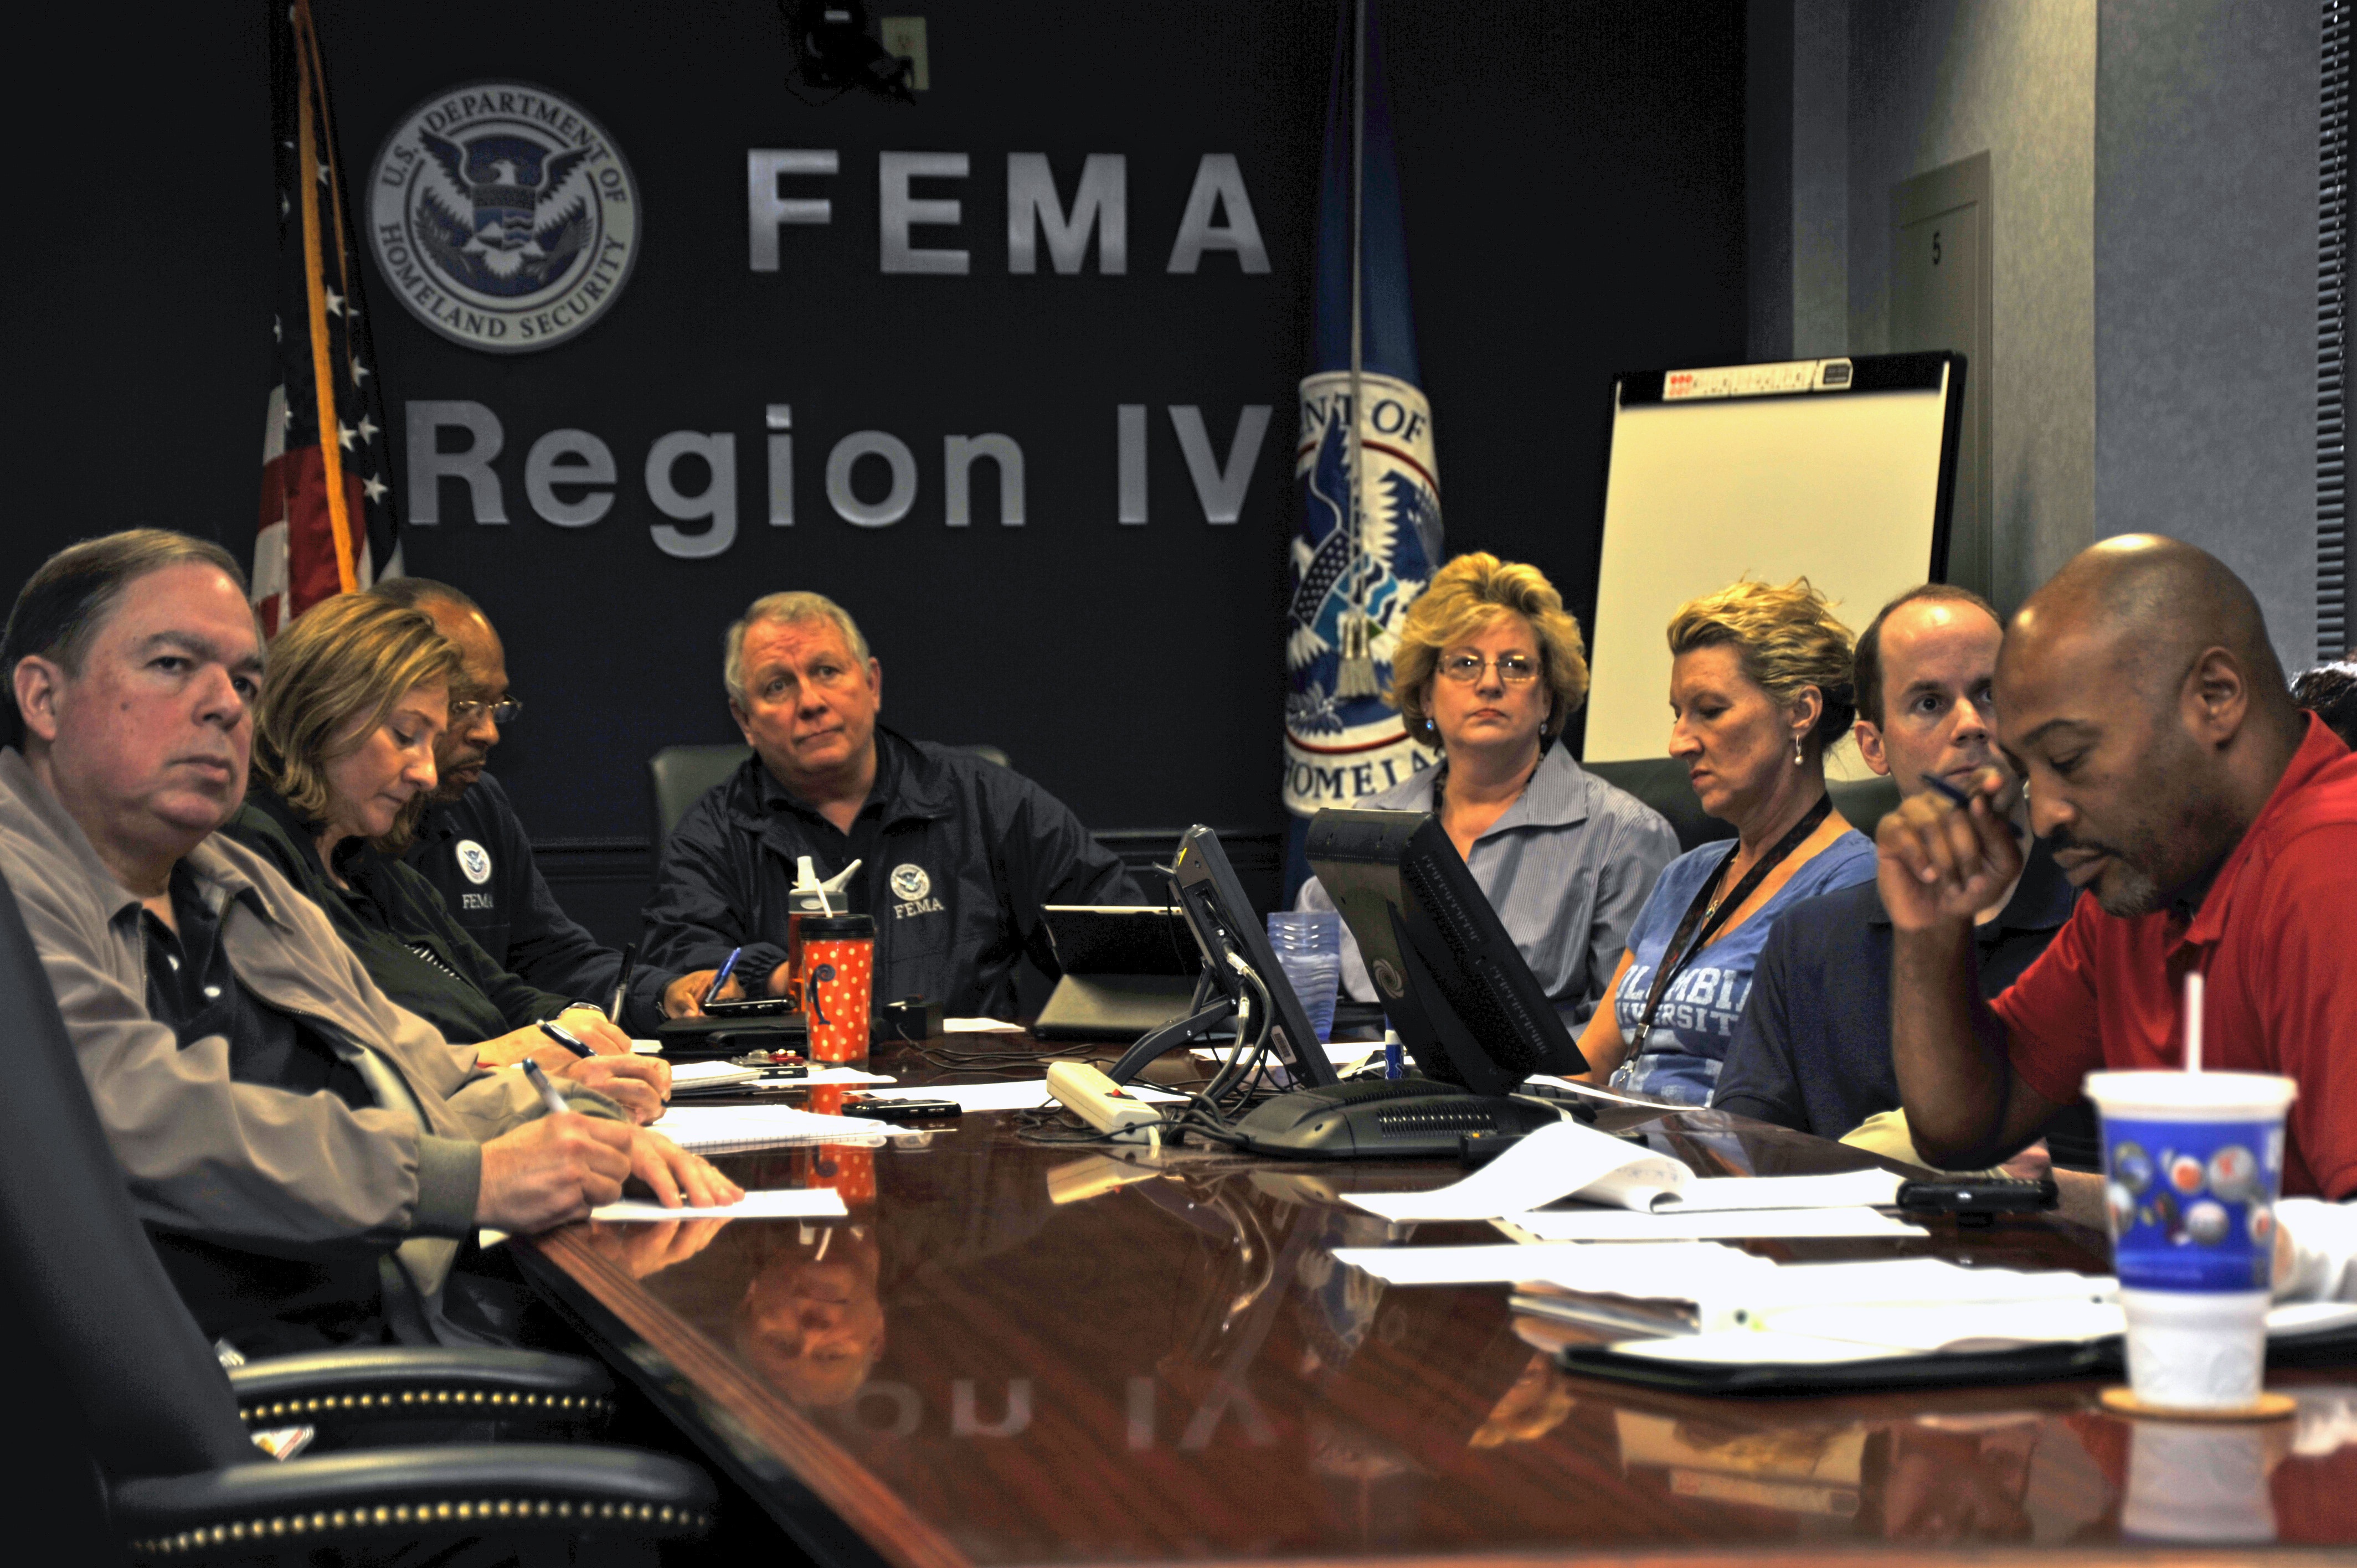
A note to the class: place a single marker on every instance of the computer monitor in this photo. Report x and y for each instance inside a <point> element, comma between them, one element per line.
<point>1204,886</point>
<point>1451,981</point>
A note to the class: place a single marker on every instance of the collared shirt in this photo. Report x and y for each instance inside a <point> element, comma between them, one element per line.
<point>278,1177</point>
<point>476,854</point>
<point>1681,1055</point>
<point>1566,868</point>
<point>2278,948</point>
<point>1812,1048</point>
<point>963,856</point>
<point>193,991</point>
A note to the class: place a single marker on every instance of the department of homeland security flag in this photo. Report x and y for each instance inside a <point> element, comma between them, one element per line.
<point>326,523</point>
<point>1365,549</point>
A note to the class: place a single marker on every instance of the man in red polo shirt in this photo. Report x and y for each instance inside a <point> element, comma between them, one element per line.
<point>2215,825</point>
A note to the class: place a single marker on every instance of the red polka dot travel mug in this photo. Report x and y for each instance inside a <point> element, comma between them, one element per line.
<point>838,981</point>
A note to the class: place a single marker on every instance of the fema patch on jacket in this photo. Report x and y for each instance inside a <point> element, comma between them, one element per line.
<point>912,889</point>
<point>503,216</point>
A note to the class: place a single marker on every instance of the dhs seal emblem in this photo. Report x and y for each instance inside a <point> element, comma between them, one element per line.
<point>503,216</point>
<point>911,882</point>
<point>1368,543</point>
<point>475,861</point>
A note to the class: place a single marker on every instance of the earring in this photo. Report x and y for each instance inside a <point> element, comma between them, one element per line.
<point>1797,759</point>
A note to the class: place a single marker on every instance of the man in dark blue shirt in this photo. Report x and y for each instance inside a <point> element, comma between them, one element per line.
<point>958,856</point>
<point>473,848</point>
<point>1812,1048</point>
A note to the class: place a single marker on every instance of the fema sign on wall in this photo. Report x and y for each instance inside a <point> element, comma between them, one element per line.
<point>503,216</point>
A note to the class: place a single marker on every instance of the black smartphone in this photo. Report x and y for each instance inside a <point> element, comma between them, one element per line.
<point>1975,1195</point>
<point>902,1110</point>
<point>748,1007</point>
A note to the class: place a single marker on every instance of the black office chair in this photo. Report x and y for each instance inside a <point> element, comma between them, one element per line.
<point>682,775</point>
<point>1660,782</point>
<point>167,1427</point>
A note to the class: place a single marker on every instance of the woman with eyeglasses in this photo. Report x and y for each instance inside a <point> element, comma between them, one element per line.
<point>1488,669</point>
<point>356,693</point>
<point>1760,690</point>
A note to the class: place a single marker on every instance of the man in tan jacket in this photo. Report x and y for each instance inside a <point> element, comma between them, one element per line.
<point>305,1154</point>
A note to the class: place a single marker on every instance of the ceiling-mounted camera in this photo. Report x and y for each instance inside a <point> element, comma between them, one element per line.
<point>833,52</point>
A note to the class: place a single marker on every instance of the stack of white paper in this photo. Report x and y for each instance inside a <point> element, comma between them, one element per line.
<point>724,1128</point>
<point>1568,1160</point>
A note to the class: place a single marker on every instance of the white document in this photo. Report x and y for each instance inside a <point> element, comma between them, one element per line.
<point>719,1129</point>
<point>710,1075</point>
<point>1722,1225</point>
<point>1342,1053</point>
<point>1024,1094</point>
<point>1553,1162</point>
<point>776,1203</point>
<point>1673,1271</point>
<point>820,1076</point>
<point>1566,1160</point>
<point>647,1047</point>
<point>1979,1325</point>
<point>1594,1093</point>
<point>979,1026</point>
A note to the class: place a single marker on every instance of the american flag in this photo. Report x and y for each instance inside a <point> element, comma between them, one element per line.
<point>326,523</point>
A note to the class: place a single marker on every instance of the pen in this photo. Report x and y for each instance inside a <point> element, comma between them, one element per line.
<point>564,1037</point>
<point>1963,800</point>
<point>622,987</point>
<point>720,976</point>
<point>548,1095</point>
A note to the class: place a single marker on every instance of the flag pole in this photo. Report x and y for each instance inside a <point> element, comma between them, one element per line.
<point>1354,676</point>
<point>323,375</point>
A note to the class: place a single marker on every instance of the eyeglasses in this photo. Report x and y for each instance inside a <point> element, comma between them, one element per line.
<point>503,712</point>
<point>1512,669</point>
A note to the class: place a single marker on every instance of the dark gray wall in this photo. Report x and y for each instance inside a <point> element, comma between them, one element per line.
<point>2205,288</point>
<point>1573,178</point>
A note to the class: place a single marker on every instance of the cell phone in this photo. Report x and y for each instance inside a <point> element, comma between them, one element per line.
<point>749,1007</point>
<point>902,1110</point>
<point>1967,1197</point>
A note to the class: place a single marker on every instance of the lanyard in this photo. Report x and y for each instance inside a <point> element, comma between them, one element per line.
<point>1710,916</point>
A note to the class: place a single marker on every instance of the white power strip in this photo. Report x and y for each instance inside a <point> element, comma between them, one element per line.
<point>1098,1099</point>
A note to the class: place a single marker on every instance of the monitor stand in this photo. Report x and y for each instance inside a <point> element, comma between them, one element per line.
<point>1210,1008</point>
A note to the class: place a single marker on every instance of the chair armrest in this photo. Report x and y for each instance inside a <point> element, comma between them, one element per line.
<point>403,1381</point>
<point>388,1494</point>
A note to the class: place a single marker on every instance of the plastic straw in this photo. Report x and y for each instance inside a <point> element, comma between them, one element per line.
<point>2193,1021</point>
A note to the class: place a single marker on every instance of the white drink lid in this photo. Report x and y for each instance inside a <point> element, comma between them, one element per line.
<point>2192,1096</point>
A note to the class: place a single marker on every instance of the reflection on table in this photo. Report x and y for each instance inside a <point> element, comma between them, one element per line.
<point>1011,1352</point>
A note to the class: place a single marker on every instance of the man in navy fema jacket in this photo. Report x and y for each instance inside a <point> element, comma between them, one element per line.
<point>957,854</point>
<point>473,848</point>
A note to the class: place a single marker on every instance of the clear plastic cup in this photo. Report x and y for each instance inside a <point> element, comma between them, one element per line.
<point>1308,945</point>
<point>2192,1164</point>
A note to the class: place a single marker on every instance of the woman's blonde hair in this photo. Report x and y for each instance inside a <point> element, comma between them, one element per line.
<point>334,676</point>
<point>1464,598</point>
<point>1787,636</point>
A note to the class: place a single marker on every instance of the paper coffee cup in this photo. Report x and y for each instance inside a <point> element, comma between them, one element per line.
<point>2192,1164</point>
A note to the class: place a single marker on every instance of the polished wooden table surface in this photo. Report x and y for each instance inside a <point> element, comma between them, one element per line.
<point>1022,1354</point>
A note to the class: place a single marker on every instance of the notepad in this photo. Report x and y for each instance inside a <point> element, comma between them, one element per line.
<point>775,1203</point>
<point>727,1129</point>
<point>1672,1268</point>
<point>1566,1160</point>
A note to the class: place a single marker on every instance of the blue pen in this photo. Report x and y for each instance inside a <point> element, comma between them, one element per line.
<point>548,1095</point>
<point>720,977</point>
<point>1963,800</point>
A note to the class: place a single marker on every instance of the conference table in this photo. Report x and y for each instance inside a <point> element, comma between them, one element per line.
<point>1015,1351</point>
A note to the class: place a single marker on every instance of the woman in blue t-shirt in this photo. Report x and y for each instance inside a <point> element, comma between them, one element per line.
<point>1759,688</point>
